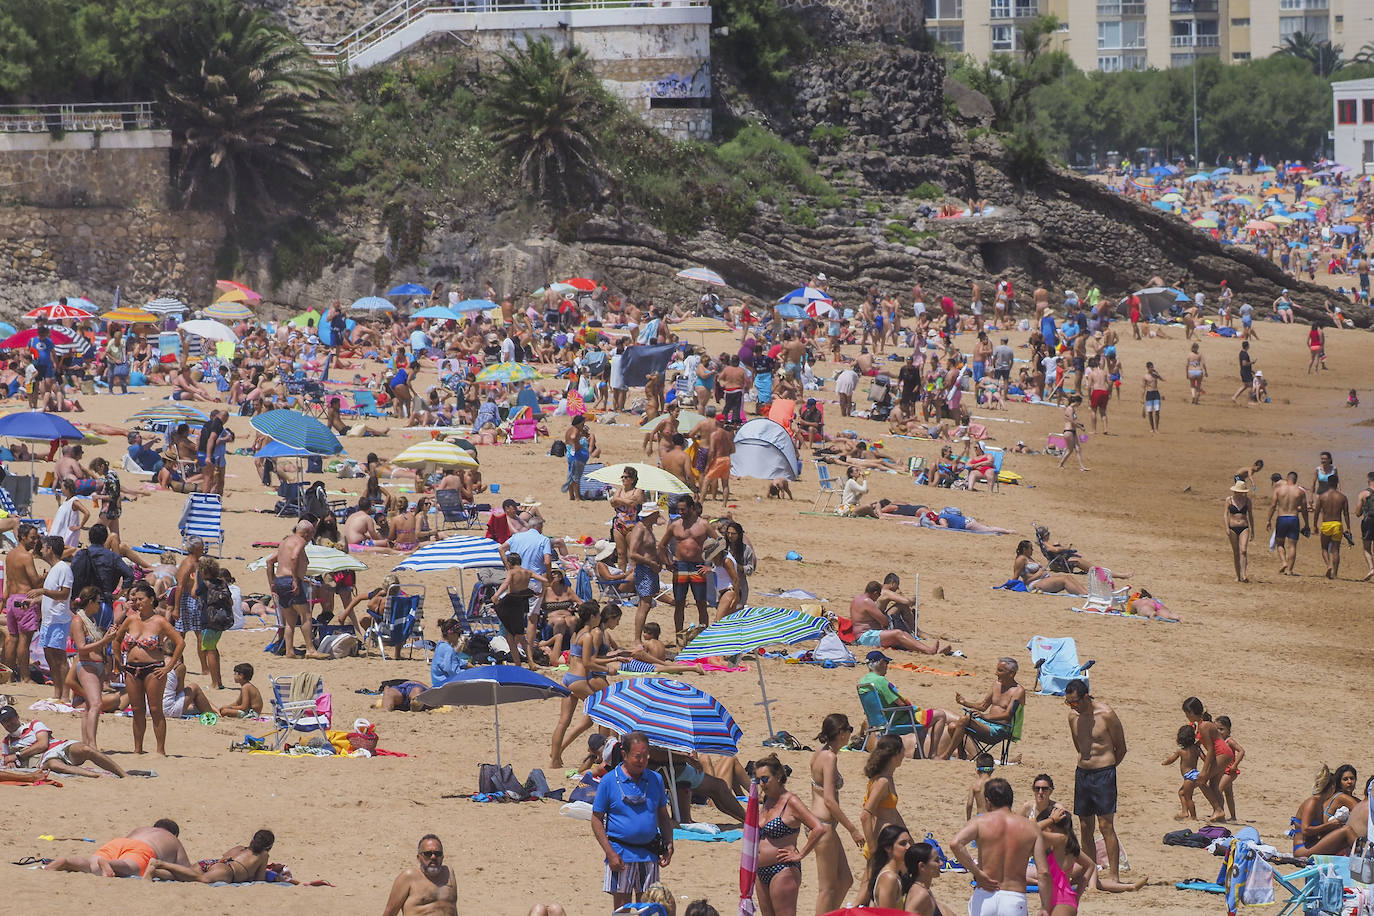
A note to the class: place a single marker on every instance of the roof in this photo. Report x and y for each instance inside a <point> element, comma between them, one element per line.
<point>1366,85</point>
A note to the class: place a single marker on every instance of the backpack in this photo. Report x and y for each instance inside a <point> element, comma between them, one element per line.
<point>82,574</point>
<point>219,606</point>
<point>494,780</point>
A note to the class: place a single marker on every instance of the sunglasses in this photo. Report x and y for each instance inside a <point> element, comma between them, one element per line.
<point>1040,789</point>
<point>1072,704</point>
<point>764,780</point>
<point>431,854</point>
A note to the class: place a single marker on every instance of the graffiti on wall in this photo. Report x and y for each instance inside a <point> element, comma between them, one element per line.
<point>682,86</point>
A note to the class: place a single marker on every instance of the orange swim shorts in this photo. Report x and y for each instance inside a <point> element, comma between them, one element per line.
<point>135,851</point>
<point>719,469</point>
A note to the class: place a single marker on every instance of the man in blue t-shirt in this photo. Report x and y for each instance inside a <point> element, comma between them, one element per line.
<point>44,360</point>
<point>631,821</point>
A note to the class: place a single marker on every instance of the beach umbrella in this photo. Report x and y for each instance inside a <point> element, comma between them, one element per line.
<point>1296,169</point>
<point>753,628</point>
<point>169,412</point>
<point>1280,219</point>
<point>37,426</point>
<point>1344,230</point>
<point>460,552</point>
<point>1144,183</point>
<point>581,283</point>
<point>166,305</point>
<point>803,295</point>
<point>555,287</point>
<point>1172,196</point>
<point>24,338</point>
<point>441,312</point>
<point>209,329</point>
<point>275,449</point>
<point>508,373</point>
<point>789,312</point>
<point>7,329</point>
<point>129,315</point>
<point>56,311</point>
<point>229,286</point>
<point>1205,223</point>
<point>1221,171</point>
<point>701,274</point>
<point>650,478</point>
<point>297,430</point>
<point>377,303</point>
<point>675,716</point>
<point>491,685</point>
<point>234,295</point>
<point>320,561</point>
<point>1200,176</point>
<point>686,419</point>
<point>1264,170</point>
<point>1243,201</point>
<point>228,311</point>
<point>305,318</point>
<point>1258,225</point>
<point>1155,300</point>
<point>409,289</point>
<point>474,305</point>
<point>1162,205</point>
<point>436,452</point>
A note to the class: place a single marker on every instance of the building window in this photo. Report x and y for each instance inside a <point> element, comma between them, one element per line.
<point>1369,111</point>
<point>1109,64</point>
<point>1127,34</point>
<point>1003,38</point>
<point>1240,55</point>
<point>944,9</point>
<point>1290,25</point>
<point>951,37</point>
<point>1345,111</point>
<point>1240,23</point>
<point>1001,9</point>
<point>1027,9</point>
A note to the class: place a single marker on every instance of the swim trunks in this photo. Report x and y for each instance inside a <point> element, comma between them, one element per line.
<point>190,620</point>
<point>1099,398</point>
<point>1367,528</point>
<point>1152,402</point>
<point>870,638</point>
<point>1332,530</point>
<point>284,588</point>
<point>997,903</point>
<point>21,615</point>
<point>688,575</point>
<point>719,469</point>
<point>135,852</point>
<point>646,581</point>
<point>1191,775</point>
<point>1094,791</point>
<point>1287,527</point>
<point>997,731</point>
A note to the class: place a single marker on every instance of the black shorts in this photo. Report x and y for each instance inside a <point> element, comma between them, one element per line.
<point>1001,375</point>
<point>1094,791</point>
<point>1367,529</point>
<point>513,611</point>
<point>1078,364</point>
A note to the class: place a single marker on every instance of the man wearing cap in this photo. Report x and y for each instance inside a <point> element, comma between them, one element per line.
<point>32,745</point>
<point>810,422</point>
<point>932,720</point>
<point>644,563</point>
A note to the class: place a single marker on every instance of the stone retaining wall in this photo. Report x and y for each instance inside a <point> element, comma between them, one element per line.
<point>116,169</point>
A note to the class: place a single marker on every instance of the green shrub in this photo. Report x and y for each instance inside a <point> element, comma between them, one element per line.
<point>824,133</point>
<point>926,190</point>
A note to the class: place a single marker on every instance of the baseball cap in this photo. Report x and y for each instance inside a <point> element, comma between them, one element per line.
<point>7,711</point>
<point>649,510</point>
<point>877,656</point>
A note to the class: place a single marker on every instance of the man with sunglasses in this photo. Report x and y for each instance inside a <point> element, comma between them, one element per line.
<point>632,823</point>
<point>1101,745</point>
<point>431,888</point>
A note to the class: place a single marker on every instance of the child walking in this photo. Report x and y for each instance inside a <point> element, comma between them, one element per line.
<point>1232,769</point>
<point>1187,756</point>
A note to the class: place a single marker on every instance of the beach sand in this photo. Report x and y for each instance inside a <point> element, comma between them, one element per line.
<point>1281,656</point>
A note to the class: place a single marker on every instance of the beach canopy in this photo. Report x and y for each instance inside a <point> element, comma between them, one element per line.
<point>297,430</point>
<point>406,289</point>
<point>473,305</point>
<point>764,450</point>
<point>650,478</point>
<point>462,551</point>
<point>492,685</point>
<point>674,715</point>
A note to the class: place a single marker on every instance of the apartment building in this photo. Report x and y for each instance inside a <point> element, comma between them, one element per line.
<point>1114,35</point>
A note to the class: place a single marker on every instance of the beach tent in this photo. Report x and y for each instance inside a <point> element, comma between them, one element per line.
<point>764,450</point>
<point>639,361</point>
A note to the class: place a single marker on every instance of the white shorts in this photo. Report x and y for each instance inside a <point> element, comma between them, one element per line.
<point>1001,903</point>
<point>58,752</point>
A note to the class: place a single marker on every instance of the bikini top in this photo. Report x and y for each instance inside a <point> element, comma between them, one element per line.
<point>1032,567</point>
<point>146,643</point>
<point>889,802</point>
<point>777,828</point>
<point>839,782</point>
<point>1234,509</point>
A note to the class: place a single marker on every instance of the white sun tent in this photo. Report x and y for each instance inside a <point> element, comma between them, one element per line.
<point>764,450</point>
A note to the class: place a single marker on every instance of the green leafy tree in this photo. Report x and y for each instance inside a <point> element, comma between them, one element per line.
<point>1324,57</point>
<point>1010,80</point>
<point>759,39</point>
<point>249,110</point>
<point>540,110</point>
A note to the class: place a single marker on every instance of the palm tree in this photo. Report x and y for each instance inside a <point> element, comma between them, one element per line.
<point>540,109</point>
<point>249,110</point>
<point>1324,57</point>
<point>1365,55</point>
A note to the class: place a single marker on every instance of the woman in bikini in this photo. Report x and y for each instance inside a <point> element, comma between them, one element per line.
<point>587,672</point>
<point>559,610</point>
<point>1072,427</point>
<point>87,677</point>
<point>1239,519</point>
<point>1071,869</point>
<point>888,879</point>
<point>626,503</point>
<point>832,865</point>
<point>781,817</point>
<point>922,869</point>
<point>142,638</point>
<point>880,798</point>
<point>1197,371</point>
<point>1317,818</point>
<point>725,575</point>
<point>1038,577</point>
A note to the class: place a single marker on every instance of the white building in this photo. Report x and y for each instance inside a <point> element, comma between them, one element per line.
<point>1353,119</point>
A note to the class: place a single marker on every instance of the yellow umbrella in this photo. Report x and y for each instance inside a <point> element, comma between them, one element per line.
<point>1278,219</point>
<point>436,452</point>
<point>130,316</point>
<point>233,295</point>
<point>650,478</point>
<point>1354,219</point>
<point>1310,182</point>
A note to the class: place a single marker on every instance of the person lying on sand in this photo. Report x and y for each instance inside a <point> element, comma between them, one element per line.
<point>127,856</point>
<point>238,865</point>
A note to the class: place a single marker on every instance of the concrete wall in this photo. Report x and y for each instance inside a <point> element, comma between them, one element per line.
<point>114,169</point>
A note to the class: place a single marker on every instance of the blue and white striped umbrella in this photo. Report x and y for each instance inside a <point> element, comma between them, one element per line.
<point>703,274</point>
<point>299,431</point>
<point>753,628</point>
<point>372,304</point>
<point>460,552</point>
<point>675,716</point>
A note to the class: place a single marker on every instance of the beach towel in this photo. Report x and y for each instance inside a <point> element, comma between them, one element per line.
<point>1012,585</point>
<point>720,836</point>
<point>749,854</point>
<point>926,669</point>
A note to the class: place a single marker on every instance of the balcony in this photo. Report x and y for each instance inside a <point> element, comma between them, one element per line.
<point>1188,7</point>
<point>1113,8</point>
<point>1195,41</point>
<point>76,118</point>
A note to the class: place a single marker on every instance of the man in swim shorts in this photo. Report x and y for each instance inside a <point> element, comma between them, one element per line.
<point>681,546</point>
<point>1101,745</point>
<point>1289,503</point>
<point>642,554</point>
<point>126,856</point>
<point>1005,844</point>
<point>992,718</point>
<point>1331,515</point>
<point>21,613</point>
<point>722,446</point>
<point>286,579</point>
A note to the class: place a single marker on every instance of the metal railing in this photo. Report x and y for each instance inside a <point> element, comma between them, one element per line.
<point>407,12</point>
<point>76,117</point>
<point>1192,6</point>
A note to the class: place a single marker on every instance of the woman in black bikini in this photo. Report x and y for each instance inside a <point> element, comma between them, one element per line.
<point>557,608</point>
<point>88,675</point>
<point>142,638</point>
<point>781,816</point>
<point>1239,519</point>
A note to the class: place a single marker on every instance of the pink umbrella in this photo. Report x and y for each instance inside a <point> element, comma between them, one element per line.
<point>56,311</point>
<point>749,853</point>
<point>1259,225</point>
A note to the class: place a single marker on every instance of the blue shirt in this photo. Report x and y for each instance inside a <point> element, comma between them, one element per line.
<point>532,547</point>
<point>42,351</point>
<point>418,340</point>
<point>448,661</point>
<point>145,457</point>
<point>1047,330</point>
<point>631,825</point>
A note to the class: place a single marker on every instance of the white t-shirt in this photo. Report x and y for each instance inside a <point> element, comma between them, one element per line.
<point>617,370</point>
<point>508,350</point>
<point>236,594</point>
<point>847,382</point>
<point>57,611</point>
<point>66,522</point>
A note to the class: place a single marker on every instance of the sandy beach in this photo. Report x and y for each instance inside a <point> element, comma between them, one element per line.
<point>1282,657</point>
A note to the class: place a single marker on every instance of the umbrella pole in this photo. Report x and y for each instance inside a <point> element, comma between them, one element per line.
<point>672,790</point>
<point>765,702</point>
<point>496,709</point>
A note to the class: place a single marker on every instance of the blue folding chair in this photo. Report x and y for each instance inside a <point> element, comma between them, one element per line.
<point>827,488</point>
<point>1056,663</point>
<point>403,622</point>
<point>888,720</point>
<point>365,403</point>
<point>203,517</point>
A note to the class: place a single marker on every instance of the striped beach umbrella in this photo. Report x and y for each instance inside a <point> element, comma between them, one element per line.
<point>129,315</point>
<point>463,551</point>
<point>372,304</point>
<point>436,452</point>
<point>675,716</point>
<point>166,305</point>
<point>508,373</point>
<point>296,429</point>
<point>169,412</point>
<point>228,311</point>
<point>702,274</point>
<point>753,628</point>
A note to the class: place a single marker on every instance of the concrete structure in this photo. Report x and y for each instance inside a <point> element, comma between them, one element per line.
<point>1112,35</point>
<point>656,58</point>
<point>1352,112</point>
<point>123,168</point>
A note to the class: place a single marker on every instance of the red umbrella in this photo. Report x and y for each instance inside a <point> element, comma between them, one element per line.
<point>581,283</point>
<point>23,338</point>
<point>56,311</point>
<point>225,286</point>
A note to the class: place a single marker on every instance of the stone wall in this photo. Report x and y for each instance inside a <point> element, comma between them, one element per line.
<point>848,20</point>
<point>323,20</point>
<point>116,169</point>
<point>51,252</point>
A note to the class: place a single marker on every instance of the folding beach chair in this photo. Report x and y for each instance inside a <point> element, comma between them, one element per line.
<point>524,428</point>
<point>1058,560</point>
<point>403,622</point>
<point>299,703</point>
<point>365,403</point>
<point>477,618</point>
<point>7,504</point>
<point>203,517</point>
<point>130,466</point>
<point>454,511</point>
<point>998,455</point>
<point>889,720</point>
<point>1000,748</point>
<point>1103,598</point>
<point>1056,663</point>
<point>17,490</point>
<point>827,487</point>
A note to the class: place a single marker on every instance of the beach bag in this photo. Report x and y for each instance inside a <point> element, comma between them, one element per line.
<point>832,649</point>
<point>1362,863</point>
<point>844,628</point>
<point>1186,838</point>
<point>1330,893</point>
<point>219,606</point>
<point>494,780</point>
<point>559,449</point>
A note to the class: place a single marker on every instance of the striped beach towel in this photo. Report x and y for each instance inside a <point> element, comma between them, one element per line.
<point>749,855</point>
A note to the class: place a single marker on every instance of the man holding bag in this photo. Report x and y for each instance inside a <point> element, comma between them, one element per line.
<point>632,822</point>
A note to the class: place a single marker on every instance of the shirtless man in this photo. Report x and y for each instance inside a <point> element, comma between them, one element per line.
<point>1364,509</point>
<point>129,855</point>
<point>991,718</point>
<point>1150,397</point>
<point>644,563</point>
<point>238,865</point>
<point>286,580</point>
<point>69,466</point>
<point>661,433</point>
<point>722,446</point>
<point>686,536</point>
<point>874,629</point>
<point>893,603</point>
<point>1005,843</point>
<point>1101,745</point>
<point>674,461</point>
<point>21,613</point>
<point>1289,504</point>
<point>701,434</point>
<point>360,528</point>
<point>793,354</point>
<point>429,890</point>
<point>1331,515</point>
<point>734,379</point>
<point>1099,392</point>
